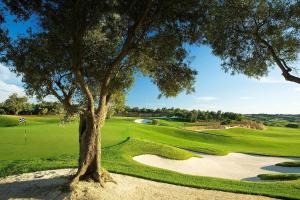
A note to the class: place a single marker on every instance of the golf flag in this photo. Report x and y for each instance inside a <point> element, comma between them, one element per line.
<point>22,120</point>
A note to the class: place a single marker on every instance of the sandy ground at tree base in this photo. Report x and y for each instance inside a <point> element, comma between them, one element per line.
<point>48,184</point>
<point>236,166</point>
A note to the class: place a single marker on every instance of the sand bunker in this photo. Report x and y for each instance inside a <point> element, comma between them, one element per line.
<point>143,121</point>
<point>232,166</point>
<point>48,184</point>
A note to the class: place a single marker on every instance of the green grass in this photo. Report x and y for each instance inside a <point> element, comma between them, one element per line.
<point>8,121</point>
<point>289,164</point>
<point>50,146</point>
<point>282,177</point>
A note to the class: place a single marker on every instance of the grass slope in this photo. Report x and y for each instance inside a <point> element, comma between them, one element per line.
<point>283,177</point>
<point>289,164</point>
<point>51,146</point>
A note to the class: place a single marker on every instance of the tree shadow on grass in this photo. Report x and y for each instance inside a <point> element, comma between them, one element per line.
<point>253,179</point>
<point>35,189</point>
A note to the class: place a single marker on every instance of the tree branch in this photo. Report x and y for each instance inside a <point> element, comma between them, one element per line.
<point>129,39</point>
<point>59,85</point>
<point>66,101</point>
<point>123,52</point>
<point>53,91</point>
<point>280,63</point>
<point>76,61</point>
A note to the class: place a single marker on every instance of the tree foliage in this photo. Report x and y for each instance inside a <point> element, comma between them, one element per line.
<point>252,36</point>
<point>21,10</point>
<point>19,105</point>
<point>90,51</point>
<point>14,104</point>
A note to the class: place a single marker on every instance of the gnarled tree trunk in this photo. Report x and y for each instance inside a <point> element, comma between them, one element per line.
<point>89,149</point>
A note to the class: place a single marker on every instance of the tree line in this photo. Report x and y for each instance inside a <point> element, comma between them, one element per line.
<point>16,105</point>
<point>183,114</point>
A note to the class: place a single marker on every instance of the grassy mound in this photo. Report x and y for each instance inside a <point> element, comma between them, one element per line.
<point>12,120</point>
<point>279,177</point>
<point>8,121</point>
<point>134,147</point>
<point>289,164</point>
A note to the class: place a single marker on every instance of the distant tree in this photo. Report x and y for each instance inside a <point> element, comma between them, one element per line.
<point>48,108</point>
<point>2,109</point>
<point>226,122</point>
<point>219,115</point>
<point>252,36</point>
<point>192,116</point>
<point>116,105</point>
<point>231,116</point>
<point>292,125</point>
<point>14,104</point>
<point>87,51</point>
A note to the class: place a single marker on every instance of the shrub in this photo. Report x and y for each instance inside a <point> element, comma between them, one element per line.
<point>226,122</point>
<point>292,125</point>
<point>2,111</point>
<point>155,122</point>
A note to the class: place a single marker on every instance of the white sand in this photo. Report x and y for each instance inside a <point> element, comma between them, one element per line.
<point>232,166</point>
<point>47,185</point>
<point>143,121</point>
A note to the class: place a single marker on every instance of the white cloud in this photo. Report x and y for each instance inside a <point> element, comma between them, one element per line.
<point>7,89</point>
<point>50,98</point>
<point>297,89</point>
<point>7,76</point>
<point>206,98</point>
<point>9,83</point>
<point>246,98</point>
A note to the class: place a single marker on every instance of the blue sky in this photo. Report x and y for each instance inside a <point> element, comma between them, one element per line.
<point>215,90</point>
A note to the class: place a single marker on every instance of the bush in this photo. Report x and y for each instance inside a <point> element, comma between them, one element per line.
<point>155,122</point>
<point>2,111</point>
<point>292,125</point>
<point>226,122</point>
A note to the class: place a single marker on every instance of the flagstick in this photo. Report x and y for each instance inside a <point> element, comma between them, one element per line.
<point>25,133</point>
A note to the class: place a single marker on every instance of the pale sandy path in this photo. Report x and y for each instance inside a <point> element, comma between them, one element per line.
<point>236,166</point>
<point>47,184</point>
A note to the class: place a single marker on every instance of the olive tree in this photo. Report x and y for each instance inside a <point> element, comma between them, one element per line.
<point>86,52</point>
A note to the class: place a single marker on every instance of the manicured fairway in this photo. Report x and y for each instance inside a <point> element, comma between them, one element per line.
<point>50,146</point>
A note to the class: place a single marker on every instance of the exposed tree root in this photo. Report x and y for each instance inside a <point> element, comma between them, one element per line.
<point>106,177</point>
<point>102,178</point>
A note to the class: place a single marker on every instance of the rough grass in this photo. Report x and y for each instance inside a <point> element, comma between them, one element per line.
<point>282,177</point>
<point>289,164</point>
<point>50,146</point>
